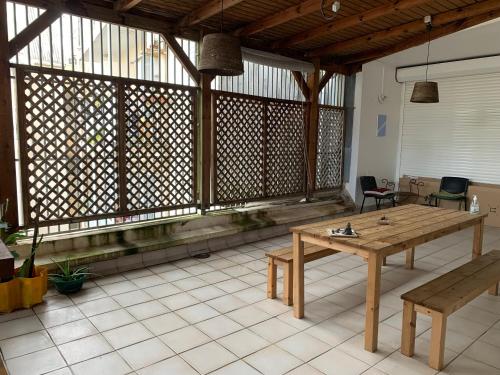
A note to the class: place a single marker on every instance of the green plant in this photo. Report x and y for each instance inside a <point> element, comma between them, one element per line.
<point>26,269</point>
<point>67,273</point>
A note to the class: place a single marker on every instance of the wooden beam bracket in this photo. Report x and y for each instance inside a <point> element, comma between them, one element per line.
<point>183,57</point>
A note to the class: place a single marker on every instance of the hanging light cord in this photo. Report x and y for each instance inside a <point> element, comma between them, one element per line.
<point>429,28</point>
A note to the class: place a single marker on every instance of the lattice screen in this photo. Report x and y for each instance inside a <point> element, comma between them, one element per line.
<point>285,148</point>
<point>330,148</point>
<point>94,148</point>
<point>259,148</point>
<point>160,146</point>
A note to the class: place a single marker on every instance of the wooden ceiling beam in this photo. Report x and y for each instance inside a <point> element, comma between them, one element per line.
<point>407,28</point>
<point>421,38</point>
<point>286,15</point>
<point>183,57</point>
<point>325,79</point>
<point>209,9</point>
<point>125,5</point>
<point>34,29</point>
<point>301,82</point>
<point>350,21</point>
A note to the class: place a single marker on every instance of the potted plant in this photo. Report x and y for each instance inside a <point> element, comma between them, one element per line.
<point>68,280</point>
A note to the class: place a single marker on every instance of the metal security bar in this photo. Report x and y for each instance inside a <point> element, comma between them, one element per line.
<point>80,44</point>
<point>95,148</point>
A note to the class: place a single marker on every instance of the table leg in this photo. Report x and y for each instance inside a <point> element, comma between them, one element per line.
<point>372,301</point>
<point>477,247</point>
<point>298,276</point>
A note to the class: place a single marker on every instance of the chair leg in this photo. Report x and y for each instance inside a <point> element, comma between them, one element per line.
<point>362,205</point>
<point>494,290</point>
<point>409,325</point>
<point>271,278</point>
<point>288,284</point>
<point>410,258</point>
<point>438,336</point>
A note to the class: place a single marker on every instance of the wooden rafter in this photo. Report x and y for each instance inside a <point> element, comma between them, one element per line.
<point>301,82</point>
<point>209,9</point>
<point>325,79</point>
<point>421,38</point>
<point>34,29</point>
<point>350,21</point>
<point>124,5</point>
<point>286,15</point>
<point>183,57</point>
<point>408,28</point>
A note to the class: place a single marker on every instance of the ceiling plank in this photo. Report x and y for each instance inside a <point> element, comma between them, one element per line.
<point>124,5</point>
<point>183,57</point>
<point>407,28</point>
<point>34,29</point>
<point>421,38</point>
<point>286,15</point>
<point>343,23</point>
<point>209,9</point>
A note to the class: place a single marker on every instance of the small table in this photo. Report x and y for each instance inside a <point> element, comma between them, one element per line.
<point>411,225</point>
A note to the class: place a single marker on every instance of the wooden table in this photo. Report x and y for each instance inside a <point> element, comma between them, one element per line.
<point>411,225</point>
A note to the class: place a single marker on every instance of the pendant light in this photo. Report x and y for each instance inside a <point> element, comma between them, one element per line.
<point>426,91</point>
<point>221,53</point>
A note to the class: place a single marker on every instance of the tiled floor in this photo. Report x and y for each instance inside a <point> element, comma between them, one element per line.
<point>212,316</point>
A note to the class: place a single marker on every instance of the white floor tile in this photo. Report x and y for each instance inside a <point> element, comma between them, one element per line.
<point>185,338</point>
<point>36,363</point>
<point>109,364</point>
<point>145,353</point>
<point>208,357</point>
<point>86,348</point>
<point>273,361</point>
<point>243,343</point>
<point>164,323</point>
<point>25,344</point>
<point>337,362</point>
<point>175,365</point>
<point>127,335</point>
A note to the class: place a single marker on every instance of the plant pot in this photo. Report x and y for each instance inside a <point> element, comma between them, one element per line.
<point>23,292</point>
<point>69,286</point>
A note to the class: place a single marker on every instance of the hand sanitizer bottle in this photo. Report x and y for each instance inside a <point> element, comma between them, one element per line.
<point>474,206</point>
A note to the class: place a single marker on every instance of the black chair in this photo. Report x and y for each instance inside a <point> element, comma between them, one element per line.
<point>452,189</point>
<point>371,190</point>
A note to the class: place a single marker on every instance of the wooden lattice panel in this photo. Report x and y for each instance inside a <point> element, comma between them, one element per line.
<point>160,148</point>
<point>239,148</point>
<point>68,145</point>
<point>330,148</point>
<point>285,148</point>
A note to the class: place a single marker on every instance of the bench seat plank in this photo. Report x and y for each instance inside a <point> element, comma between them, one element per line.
<point>451,291</point>
<point>311,252</point>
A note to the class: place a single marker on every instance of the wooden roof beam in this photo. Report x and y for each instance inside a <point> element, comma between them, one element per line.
<point>301,82</point>
<point>183,57</point>
<point>34,29</point>
<point>125,5</point>
<point>346,22</point>
<point>421,38</point>
<point>209,9</point>
<point>325,79</point>
<point>408,28</point>
<point>286,15</point>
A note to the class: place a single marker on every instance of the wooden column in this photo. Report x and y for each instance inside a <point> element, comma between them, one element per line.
<point>7,155</point>
<point>206,139</point>
<point>312,133</point>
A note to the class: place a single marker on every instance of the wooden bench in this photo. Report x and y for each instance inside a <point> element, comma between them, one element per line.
<point>443,296</point>
<point>284,257</point>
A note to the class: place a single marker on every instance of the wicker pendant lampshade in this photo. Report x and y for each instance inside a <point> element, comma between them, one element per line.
<point>221,55</point>
<point>425,91</point>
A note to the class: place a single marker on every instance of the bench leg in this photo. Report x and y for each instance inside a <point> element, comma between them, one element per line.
<point>410,258</point>
<point>271,278</point>
<point>409,324</point>
<point>494,290</point>
<point>438,336</point>
<point>288,284</point>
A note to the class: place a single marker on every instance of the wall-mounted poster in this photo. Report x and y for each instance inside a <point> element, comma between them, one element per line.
<point>381,125</point>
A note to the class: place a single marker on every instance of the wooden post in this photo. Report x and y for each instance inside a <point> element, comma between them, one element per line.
<point>493,291</point>
<point>410,258</point>
<point>206,139</point>
<point>8,188</point>
<point>438,335</point>
<point>298,276</point>
<point>288,284</point>
<point>409,325</point>
<point>477,248</point>
<point>271,278</point>
<point>312,133</point>
<point>372,301</point>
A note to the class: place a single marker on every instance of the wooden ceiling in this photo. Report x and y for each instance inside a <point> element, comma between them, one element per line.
<point>363,30</point>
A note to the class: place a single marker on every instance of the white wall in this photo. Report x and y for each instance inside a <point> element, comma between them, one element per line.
<point>372,155</point>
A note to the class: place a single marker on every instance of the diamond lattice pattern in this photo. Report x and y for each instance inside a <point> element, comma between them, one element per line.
<point>330,148</point>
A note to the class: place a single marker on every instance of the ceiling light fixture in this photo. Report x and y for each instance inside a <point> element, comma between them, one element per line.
<point>426,91</point>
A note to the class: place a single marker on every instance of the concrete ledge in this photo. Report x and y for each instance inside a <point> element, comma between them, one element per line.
<point>134,246</point>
